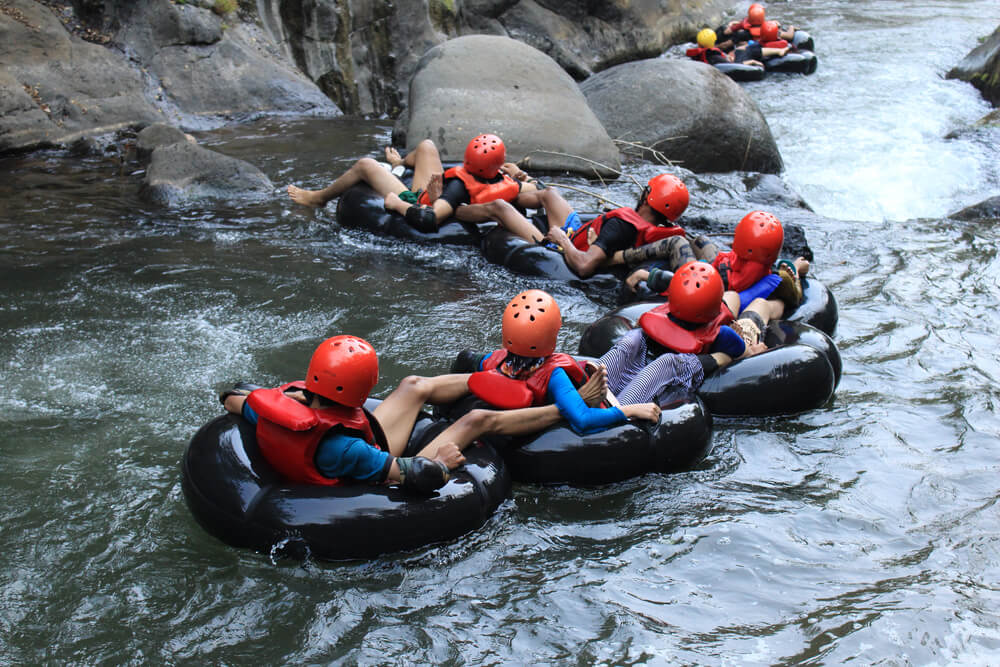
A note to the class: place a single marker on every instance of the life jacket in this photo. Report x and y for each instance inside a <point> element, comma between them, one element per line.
<point>508,393</point>
<point>289,432</point>
<point>737,273</point>
<point>701,54</point>
<point>658,325</point>
<point>778,44</point>
<point>647,231</point>
<point>481,192</point>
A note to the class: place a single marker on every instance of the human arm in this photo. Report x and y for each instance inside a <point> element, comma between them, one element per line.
<point>341,455</point>
<point>584,419</point>
<point>636,277</point>
<point>582,263</point>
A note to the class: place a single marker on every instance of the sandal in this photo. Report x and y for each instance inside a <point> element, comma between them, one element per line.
<point>790,289</point>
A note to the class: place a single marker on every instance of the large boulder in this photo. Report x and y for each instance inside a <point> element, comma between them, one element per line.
<point>484,83</point>
<point>204,68</point>
<point>61,80</point>
<point>55,87</point>
<point>181,172</point>
<point>363,54</point>
<point>981,68</point>
<point>988,209</point>
<point>687,111</point>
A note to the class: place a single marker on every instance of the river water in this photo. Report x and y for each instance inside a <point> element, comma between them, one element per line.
<point>866,531</point>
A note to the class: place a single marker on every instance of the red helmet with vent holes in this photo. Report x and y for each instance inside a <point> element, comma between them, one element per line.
<point>531,324</point>
<point>695,292</point>
<point>343,369</point>
<point>668,195</point>
<point>485,155</point>
<point>759,237</point>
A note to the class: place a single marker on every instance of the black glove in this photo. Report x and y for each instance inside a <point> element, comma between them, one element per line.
<point>418,474</point>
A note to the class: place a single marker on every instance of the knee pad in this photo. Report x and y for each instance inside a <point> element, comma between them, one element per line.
<point>422,218</point>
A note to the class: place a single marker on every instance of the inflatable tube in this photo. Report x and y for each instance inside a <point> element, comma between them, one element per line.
<point>237,497</point>
<point>794,62</point>
<point>530,259</point>
<point>800,372</point>
<point>788,379</point>
<point>558,455</point>
<point>361,207</point>
<point>741,72</point>
<point>803,41</point>
<point>818,308</point>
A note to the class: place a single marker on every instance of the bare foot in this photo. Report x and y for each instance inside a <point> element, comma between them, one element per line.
<point>595,389</point>
<point>435,186</point>
<point>312,198</point>
<point>802,265</point>
<point>392,156</point>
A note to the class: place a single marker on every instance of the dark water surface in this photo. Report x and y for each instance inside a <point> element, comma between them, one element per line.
<point>866,531</point>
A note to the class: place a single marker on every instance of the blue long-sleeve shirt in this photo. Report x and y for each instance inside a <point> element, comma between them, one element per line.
<point>581,417</point>
<point>342,455</point>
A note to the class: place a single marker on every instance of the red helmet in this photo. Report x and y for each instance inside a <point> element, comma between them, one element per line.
<point>668,195</point>
<point>531,324</point>
<point>343,369</point>
<point>769,31</point>
<point>759,237</point>
<point>756,14</point>
<point>696,292</point>
<point>485,155</point>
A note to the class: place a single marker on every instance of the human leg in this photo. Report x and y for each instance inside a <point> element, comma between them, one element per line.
<point>365,170</point>
<point>624,360</point>
<point>398,412</point>
<point>557,209</point>
<point>681,372</point>
<point>426,162</point>
<point>505,214</point>
<point>477,423</point>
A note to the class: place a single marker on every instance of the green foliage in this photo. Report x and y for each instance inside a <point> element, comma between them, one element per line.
<point>223,7</point>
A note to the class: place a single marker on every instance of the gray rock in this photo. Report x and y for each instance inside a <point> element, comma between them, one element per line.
<point>363,54</point>
<point>199,70</point>
<point>56,88</point>
<point>984,210</point>
<point>158,135</point>
<point>183,172</point>
<point>981,68</point>
<point>183,65</point>
<point>688,111</point>
<point>482,83</point>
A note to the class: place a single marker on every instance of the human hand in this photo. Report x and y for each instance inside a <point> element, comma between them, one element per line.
<point>754,349</point>
<point>595,389</point>
<point>514,171</point>
<point>647,411</point>
<point>636,277</point>
<point>557,236</point>
<point>449,455</point>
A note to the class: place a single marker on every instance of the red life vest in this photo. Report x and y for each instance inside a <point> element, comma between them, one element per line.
<point>657,324</point>
<point>701,54</point>
<point>501,391</point>
<point>481,192</point>
<point>289,432</point>
<point>779,44</point>
<point>737,273</point>
<point>647,231</point>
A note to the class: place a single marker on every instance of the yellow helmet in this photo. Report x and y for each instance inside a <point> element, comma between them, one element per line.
<point>706,38</point>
